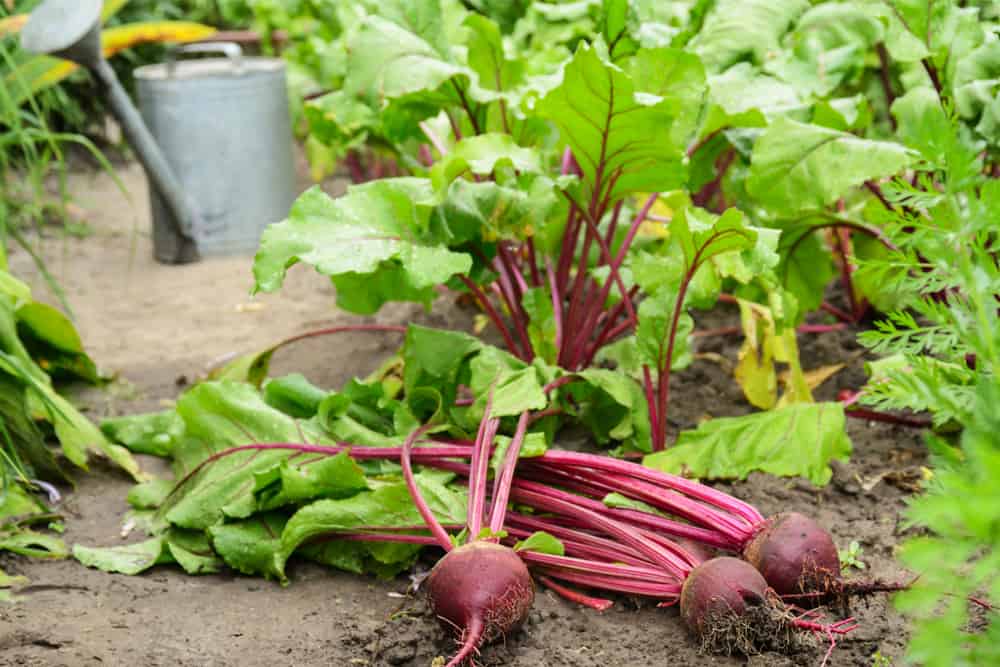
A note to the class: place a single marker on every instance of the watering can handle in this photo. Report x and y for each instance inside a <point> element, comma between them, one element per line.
<point>231,50</point>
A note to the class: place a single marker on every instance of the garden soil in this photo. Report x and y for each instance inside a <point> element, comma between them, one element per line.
<point>158,328</point>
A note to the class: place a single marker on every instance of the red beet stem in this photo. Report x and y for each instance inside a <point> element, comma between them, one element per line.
<point>687,487</point>
<point>530,493</point>
<point>315,333</point>
<point>575,541</point>
<point>599,604</point>
<point>479,467</point>
<point>580,549</point>
<point>350,328</point>
<point>628,586</point>
<point>875,416</point>
<point>479,504</point>
<point>555,460</point>
<point>668,500</point>
<point>492,313</point>
<point>504,477</point>
<point>575,460</point>
<point>585,565</point>
<point>548,499</point>
<point>653,522</point>
<point>437,530</point>
<point>598,489</point>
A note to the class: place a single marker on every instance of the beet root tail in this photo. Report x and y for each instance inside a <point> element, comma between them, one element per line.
<point>470,643</point>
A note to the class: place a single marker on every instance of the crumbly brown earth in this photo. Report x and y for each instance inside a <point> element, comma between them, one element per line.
<point>158,327</point>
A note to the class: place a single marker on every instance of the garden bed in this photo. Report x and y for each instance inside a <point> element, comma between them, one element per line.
<point>159,327</point>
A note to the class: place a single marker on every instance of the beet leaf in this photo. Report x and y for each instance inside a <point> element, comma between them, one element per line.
<point>798,439</point>
<point>791,165</point>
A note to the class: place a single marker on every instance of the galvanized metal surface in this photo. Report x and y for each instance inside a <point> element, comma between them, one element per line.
<point>57,25</point>
<point>225,131</point>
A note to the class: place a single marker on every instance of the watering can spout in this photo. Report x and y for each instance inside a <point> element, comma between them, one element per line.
<point>71,29</point>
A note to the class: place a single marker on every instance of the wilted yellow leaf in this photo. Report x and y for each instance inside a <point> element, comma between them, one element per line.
<point>796,388</point>
<point>114,40</point>
<point>661,209</point>
<point>653,229</point>
<point>322,160</point>
<point>754,370</point>
<point>816,376</point>
<point>762,348</point>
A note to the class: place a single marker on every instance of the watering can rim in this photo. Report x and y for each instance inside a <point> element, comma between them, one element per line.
<point>235,64</point>
<point>212,68</point>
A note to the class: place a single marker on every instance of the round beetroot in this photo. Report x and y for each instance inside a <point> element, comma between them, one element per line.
<point>726,603</point>
<point>794,554</point>
<point>482,590</point>
<point>718,589</point>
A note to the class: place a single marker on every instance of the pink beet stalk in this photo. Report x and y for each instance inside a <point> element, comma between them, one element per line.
<point>439,533</point>
<point>598,604</point>
<point>681,485</point>
<point>479,467</point>
<point>662,499</point>
<point>558,462</point>
<point>536,495</point>
<point>649,574</point>
<point>501,489</point>
<point>660,591</point>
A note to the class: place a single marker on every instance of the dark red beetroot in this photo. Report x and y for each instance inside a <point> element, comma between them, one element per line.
<point>800,562</point>
<point>484,590</point>
<point>717,590</point>
<point>728,606</point>
<point>795,555</point>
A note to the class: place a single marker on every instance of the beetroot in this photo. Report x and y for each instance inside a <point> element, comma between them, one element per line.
<point>729,607</point>
<point>717,592</point>
<point>795,555</point>
<point>483,591</point>
<point>483,588</point>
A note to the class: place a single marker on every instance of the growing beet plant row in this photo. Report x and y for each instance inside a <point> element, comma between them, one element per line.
<point>592,177</point>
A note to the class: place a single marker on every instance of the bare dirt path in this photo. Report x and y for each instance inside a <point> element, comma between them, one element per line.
<point>158,327</point>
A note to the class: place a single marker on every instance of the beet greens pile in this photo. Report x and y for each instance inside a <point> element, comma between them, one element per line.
<point>39,351</point>
<point>592,176</point>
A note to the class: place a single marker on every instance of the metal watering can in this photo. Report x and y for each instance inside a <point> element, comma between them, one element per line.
<point>214,135</point>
